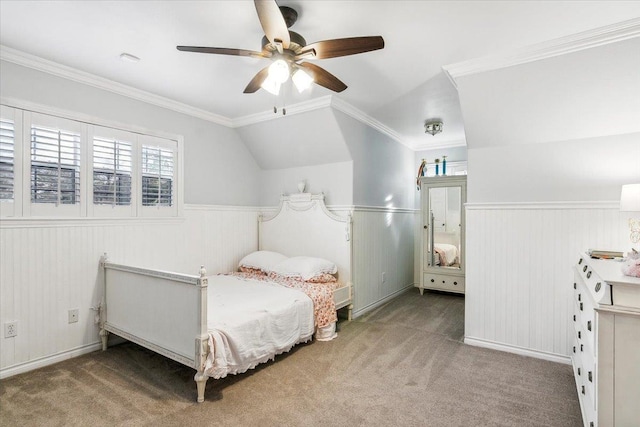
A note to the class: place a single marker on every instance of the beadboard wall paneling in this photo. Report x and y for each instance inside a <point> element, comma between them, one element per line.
<point>50,267</point>
<point>519,271</point>
<point>383,242</point>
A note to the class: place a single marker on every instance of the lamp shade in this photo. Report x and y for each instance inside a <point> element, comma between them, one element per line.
<point>630,198</point>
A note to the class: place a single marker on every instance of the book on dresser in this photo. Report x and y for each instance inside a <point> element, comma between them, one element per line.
<point>605,353</point>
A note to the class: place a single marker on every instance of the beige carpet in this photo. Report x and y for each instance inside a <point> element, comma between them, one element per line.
<point>401,365</point>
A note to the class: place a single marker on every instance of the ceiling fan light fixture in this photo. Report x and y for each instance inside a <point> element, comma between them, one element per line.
<point>302,80</point>
<point>271,85</point>
<point>279,71</point>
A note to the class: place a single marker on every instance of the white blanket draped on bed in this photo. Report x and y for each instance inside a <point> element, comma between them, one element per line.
<point>251,322</point>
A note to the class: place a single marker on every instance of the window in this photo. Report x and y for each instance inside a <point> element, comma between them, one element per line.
<point>55,166</point>
<point>111,172</point>
<point>157,176</point>
<point>7,172</point>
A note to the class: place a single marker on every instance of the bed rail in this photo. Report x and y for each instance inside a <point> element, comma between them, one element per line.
<point>160,310</point>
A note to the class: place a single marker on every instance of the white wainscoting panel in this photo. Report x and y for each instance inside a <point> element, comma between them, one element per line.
<point>383,242</point>
<point>50,267</point>
<point>519,271</point>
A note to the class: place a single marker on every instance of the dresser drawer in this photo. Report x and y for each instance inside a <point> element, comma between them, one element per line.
<point>600,291</point>
<point>443,282</point>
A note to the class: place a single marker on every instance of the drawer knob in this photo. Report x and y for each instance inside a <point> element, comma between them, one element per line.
<point>589,274</point>
<point>582,390</point>
<point>589,325</point>
<point>581,347</point>
<point>590,376</point>
<point>591,424</point>
<point>575,286</point>
<point>574,317</point>
<point>580,261</point>
<point>443,281</point>
<point>574,348</point>
<point>455,283</point>
<point>584,268</point>
<point>581,306</point>
<point>598,286</point>
<point>579,335</point>
<point>432,280</point>
<point>578,371</point>
<point>425,227</point>
<point>579,297</point>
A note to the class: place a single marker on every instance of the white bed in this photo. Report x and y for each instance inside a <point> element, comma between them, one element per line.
<point>218,324</point>
<point>446,247</point>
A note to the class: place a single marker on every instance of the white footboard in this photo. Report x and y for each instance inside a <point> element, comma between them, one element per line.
<point>162,311</point>
<point>344,298</point>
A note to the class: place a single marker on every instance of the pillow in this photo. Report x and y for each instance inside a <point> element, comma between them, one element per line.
<point>262,260</point>
<point>305,267</point>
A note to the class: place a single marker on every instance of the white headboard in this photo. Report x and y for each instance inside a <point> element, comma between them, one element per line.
<point>303,226</point>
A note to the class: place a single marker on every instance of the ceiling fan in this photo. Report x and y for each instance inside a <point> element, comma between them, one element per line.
<point>288,51</point>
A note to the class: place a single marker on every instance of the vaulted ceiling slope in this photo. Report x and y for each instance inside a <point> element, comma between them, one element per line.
<point>397,87</point>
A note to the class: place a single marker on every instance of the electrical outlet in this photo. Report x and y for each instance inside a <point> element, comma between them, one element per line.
<point>73,316</point>
<point>384,278</point>
<point>10,329</point>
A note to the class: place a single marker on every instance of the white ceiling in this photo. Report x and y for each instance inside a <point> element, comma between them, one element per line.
<point>399,86</point>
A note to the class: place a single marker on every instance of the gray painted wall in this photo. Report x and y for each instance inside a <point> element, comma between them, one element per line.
<point>565,128</point>
<point>333,179</point>
<point>218,167</point>
<point>382,168</point>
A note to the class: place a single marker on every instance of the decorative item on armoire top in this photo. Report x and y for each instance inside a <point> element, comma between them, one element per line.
<point>302,185</point>
<point>630,202</point>
<point>444,165</point>
<point>437,167</point>
<point>422,171</point>
<point>632,266</point>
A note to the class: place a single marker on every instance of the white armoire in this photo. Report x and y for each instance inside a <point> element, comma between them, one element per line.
<point>442,233</point>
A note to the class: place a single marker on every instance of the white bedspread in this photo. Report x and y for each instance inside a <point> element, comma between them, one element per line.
<point>450,252</point>
<point>250,322</point>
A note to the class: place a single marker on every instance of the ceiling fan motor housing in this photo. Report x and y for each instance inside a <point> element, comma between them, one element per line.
<point>297,43</point>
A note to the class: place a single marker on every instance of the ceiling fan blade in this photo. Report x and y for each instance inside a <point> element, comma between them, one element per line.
<point>223,51</point>
<point>323,77</point>
<point>272,21</point>
<point>257,81</point>
<point>343,47</point>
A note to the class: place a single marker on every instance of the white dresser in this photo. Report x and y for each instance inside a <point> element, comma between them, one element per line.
<point>606,345</point>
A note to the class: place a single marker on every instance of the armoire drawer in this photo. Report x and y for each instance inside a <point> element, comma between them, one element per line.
<point>443,282</point>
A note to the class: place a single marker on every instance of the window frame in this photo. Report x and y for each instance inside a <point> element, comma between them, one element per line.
<point>158,210</point>
<point>31,208</point>
<point>113,210</point>
<point>14,208</point>
<point>23,114</point>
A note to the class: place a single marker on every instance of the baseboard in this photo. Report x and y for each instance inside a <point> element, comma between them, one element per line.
<point>553,357</point>
<point>48,360</point>
<point>373,306</point>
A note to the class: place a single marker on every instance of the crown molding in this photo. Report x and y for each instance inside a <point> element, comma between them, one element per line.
<point>44,65</point>
<point>299,108</point>
<point>441,145</point>
<point>325,102</point>
<point>359,115</point>
<point>40,64</point>
<point>585,40</point>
